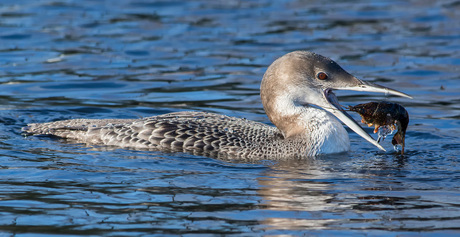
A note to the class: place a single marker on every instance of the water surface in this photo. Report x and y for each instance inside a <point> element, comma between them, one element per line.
<point>138,58</point>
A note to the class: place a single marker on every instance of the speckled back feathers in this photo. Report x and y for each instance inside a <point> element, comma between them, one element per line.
<point>199,133</point>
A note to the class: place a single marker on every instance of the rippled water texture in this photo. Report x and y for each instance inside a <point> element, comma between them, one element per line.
<point>136,58</point>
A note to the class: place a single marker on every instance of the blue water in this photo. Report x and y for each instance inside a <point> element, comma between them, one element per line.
<point>138,58</point>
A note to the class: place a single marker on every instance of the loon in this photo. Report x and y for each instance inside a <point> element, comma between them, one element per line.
<point>297,96</point>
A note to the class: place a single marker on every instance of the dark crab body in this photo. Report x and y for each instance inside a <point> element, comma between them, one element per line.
<point>383,113</point>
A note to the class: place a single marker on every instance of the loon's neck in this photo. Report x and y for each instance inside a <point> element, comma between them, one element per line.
<point>320,130</point>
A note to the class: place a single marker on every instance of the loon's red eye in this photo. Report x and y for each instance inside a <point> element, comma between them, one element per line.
<point>321,76</point>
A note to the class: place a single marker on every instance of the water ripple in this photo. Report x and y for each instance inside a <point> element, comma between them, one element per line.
<point>136,58</point>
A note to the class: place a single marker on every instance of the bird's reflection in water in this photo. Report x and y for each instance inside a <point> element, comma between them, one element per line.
<point>302,189</point>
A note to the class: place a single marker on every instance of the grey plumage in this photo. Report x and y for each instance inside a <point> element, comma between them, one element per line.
<point>199,133</point>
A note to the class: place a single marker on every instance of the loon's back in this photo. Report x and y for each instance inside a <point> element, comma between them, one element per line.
<point>199,133</point>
